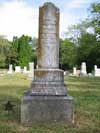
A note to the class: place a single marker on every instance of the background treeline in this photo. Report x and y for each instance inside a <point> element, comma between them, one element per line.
<point>81,43</point>
<point>20,51</point>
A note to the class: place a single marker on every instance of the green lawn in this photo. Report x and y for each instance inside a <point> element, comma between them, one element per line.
<point>86,93</point>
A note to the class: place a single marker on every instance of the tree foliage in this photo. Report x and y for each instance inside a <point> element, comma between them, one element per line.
<point>95,11</point>
<point>67,54</point>
<point>88,51</point>
<point>24,50</point>
<point>20,51</point>
<point>4,48</point>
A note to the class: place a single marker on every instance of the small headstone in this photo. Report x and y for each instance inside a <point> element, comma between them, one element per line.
<point>90,75</point>
<point>25,70</point>
<point>37,67</point>
<point>64,72</point>
<point>95,67</point>
<point>31,70</point>
<point>74,71</point>
<point>10,71</point>
<point>96,71</point>
<point>83,69</point>
<point>17,69</point>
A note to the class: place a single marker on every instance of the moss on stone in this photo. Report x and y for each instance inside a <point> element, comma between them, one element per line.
<point>40,74</point>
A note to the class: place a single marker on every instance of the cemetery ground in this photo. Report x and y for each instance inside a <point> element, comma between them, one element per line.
<point>86,93</point>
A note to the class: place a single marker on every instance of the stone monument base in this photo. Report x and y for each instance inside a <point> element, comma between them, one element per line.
<point>46,109</point>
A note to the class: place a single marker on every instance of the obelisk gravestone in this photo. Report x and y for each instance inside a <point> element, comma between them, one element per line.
<point>47,100</point>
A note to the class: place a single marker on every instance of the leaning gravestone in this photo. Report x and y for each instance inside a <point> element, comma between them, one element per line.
<point>47,101</point>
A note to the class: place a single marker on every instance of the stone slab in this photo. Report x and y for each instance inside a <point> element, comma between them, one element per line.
<point>46,109</point>
<point>50,75</point>
<point>48,82</point>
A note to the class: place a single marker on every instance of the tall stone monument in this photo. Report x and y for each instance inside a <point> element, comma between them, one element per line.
<point>47,100</point>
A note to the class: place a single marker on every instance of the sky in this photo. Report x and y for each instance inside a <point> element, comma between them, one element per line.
<point>19,17</point>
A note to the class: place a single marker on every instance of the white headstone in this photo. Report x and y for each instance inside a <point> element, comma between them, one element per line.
<point>96,71</point>
<point>74,71</point>
<point>31,70</point>
<point>25,70</point>
<point>17,69</point>
<point>37,67</point>
<point>83,68</point>
<point>10,71</point>
<point>95,67</point>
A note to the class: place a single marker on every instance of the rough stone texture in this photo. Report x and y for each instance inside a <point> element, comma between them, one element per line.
<point>48,82</point>
<point>47,109</point>
<point>48,49</point>
<point>47,99</point>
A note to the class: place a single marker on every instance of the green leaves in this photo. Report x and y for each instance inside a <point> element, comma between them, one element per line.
<point>67,54</point>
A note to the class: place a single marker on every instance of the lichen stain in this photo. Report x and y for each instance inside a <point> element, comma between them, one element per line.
<point>40,74</point>
<point>42,11</point>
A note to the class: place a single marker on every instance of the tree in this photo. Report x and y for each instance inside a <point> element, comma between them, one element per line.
<point>88,51</point>
<point>12,56</point>
<point>95,11</point>
<point>25,51</point>
<point>86,42</point>
<point>4,48</point>
<point>67,54</point>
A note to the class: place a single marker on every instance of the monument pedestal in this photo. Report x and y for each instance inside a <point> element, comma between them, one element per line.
<point>46,109</point>
<point>47,101</point>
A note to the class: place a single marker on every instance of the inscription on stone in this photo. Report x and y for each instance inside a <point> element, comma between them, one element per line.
<point>48,37</point>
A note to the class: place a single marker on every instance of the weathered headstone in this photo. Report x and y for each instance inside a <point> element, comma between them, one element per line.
<point>10,71</point>
<point>25,70</point>
<point>17,69</point>
<point>74,71</point>
<point>47,101</point>
<point>83,69</point>
<point>31,70</point>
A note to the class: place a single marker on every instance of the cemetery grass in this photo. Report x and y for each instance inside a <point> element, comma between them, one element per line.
<point>86,93</point>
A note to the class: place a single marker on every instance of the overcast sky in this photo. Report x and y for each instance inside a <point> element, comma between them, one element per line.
<point>19,17</point>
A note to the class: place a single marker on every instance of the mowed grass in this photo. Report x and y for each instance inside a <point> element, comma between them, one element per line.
<point>86,93</point>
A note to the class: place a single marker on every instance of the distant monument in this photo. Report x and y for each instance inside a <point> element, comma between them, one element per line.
<point>74,71</point>
<point>96,71</point>
<point>31,70</point>
<point>10,71</point>
<point>25,70</point>
<point>47,101</point>
<point>17,69</point>
<point>83,69</point>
